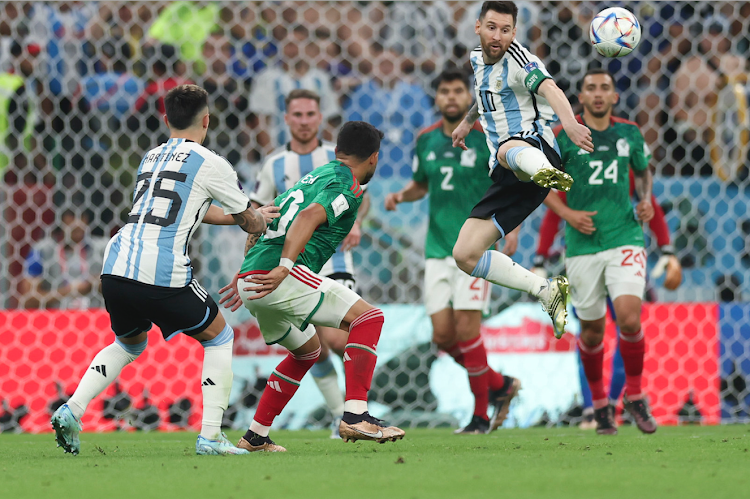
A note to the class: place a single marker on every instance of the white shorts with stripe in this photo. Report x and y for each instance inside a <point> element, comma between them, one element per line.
<point>614,272</point>
<point>304,298</point>
<point>448,286</point>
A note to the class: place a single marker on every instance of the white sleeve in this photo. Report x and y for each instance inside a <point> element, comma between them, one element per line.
<point>223,186</point>
<point>265,188</point>
<point>261,99</point>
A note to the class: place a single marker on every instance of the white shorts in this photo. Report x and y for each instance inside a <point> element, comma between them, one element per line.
<point>614,272</point>
<point>448,286</point>
<point>302,299</point>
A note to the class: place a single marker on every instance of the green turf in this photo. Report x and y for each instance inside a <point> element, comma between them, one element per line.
<point>680,462</point>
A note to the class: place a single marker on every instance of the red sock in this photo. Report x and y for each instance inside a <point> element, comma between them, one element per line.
<point>455,352</point>
<point>495,379</point>
<point>282,384</point>
<point>475,362</point>
<point>360,353</point>
<point>633,348</point>
<point>593,360</point>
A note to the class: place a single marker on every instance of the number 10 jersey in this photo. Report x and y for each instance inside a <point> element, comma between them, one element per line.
<point>336,189</point>
<point>176,184</point>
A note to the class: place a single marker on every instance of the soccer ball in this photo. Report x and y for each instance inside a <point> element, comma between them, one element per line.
<point>615,32</point>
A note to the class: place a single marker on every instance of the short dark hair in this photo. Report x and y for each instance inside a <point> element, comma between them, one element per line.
<point>358,139</point>
<point>596,71</point>
<point>183,103</point>
<point>301,93</point>
<point>501,7</point>
<point>452,74</point>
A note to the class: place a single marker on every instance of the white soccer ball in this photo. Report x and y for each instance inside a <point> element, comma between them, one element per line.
<point>615,32</point>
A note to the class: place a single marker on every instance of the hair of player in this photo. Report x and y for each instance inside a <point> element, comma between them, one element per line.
<point>501,8</point>
<point>301,93</point>
<point>358,139</point>
<point>183,103</point>
<point>452,74</point>
<point>596,71</point>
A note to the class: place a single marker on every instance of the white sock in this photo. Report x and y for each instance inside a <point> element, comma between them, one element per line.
<point>324,374</point>
<point>526,161</point>
<point>355,406</point>
<point>500,269</point>
<point>216,384</point>
<point>259,429</point>
<point>101,373</point>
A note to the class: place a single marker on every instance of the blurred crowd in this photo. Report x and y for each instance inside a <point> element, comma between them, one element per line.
<point>81,87</point>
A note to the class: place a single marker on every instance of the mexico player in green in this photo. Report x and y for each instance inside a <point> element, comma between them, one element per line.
<point>282,289</point>
<point>455,179</point>
<point>605,252</point>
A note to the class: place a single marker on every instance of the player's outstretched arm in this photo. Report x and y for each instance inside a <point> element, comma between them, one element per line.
<point>251,221</point>
<point>463,129</point>
<point>413,191</point>
<point>297,236</point>
<point>579,134</point>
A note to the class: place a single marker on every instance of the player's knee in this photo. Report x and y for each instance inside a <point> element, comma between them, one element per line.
<point>629,323</point>
<point>134,350</point>
<point>443,339</point>
<point>592,335</point>
<point>465,258</point>
<point>224,337</point>
<point>311,357</point>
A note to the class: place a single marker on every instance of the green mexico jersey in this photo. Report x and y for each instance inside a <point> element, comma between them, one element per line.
<point>456,180</point>
<point>334,187</point>
<point>602,184</point>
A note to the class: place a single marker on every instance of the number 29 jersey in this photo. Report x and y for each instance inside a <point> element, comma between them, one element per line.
<point>176,184</point>
<point>602,184</point>
<point>335,188</point>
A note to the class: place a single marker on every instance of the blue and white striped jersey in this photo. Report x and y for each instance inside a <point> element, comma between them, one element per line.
<point>176,184</point>
<point>508,103</point>
<point>282,169</point>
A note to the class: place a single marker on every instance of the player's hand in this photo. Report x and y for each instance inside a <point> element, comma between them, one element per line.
<point>581,221</point>
<point>392,200</point>
<point>580,135</point>
<point>353,238</point>
<point>644,210</point>
<point>269,212</point>
<point>460,133</point>
<point>674,273</point>
<point>265,284</point>
<point>511,243</point>
<point>232,297</point>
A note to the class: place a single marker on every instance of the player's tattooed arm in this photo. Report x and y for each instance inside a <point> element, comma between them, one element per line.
<point>473,113</point>
<point>463,128</point>
<point>251,240</point>
<point>251,221</point>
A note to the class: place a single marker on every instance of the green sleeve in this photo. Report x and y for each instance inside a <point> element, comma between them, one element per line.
<point>338,200</point>
<point>639,151</point>
<point>417,166</point>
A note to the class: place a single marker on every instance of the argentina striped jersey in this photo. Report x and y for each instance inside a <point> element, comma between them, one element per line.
<point>508,103</point>
<point>176,184</point>
<point>282,169</point>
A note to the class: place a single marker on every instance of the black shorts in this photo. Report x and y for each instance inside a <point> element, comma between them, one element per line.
<point>343,278</point>
<point>508,201</point>
<point>133,306</point>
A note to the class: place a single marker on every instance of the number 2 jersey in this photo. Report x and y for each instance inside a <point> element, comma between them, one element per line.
<point>602,184</point>
<point>334,187</point>
<point>176,184</point>
<point>456,181</point>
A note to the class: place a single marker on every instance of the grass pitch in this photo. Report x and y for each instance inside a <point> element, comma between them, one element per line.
<point>555,463</point>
